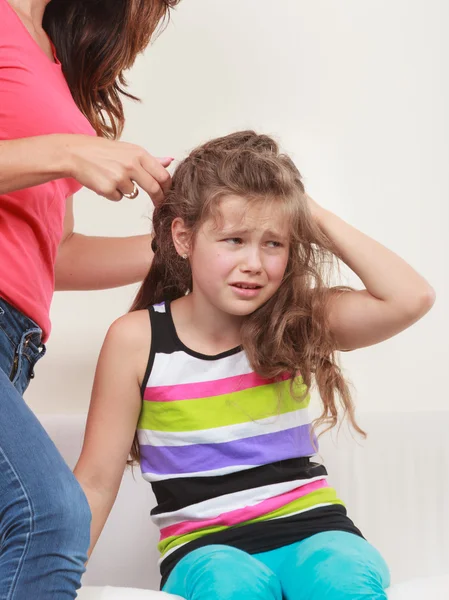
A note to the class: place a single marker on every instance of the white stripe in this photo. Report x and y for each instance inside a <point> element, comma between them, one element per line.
<point>223,471</point>
<point>180,368</point>
<point>227,433</point>
<point>209,509</point>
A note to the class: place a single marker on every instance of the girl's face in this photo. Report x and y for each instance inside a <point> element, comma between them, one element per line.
<point>238,261</point>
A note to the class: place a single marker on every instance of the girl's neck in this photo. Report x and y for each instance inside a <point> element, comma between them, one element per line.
<point>204,328</point>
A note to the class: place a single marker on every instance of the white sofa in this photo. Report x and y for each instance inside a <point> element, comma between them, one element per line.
<point>395,485</point>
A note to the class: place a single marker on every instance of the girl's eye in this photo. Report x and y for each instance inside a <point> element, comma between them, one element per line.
<point>234,241</point>
<point>274,244</point>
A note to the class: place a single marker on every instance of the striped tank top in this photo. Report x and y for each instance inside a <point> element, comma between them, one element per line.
<point>227,452</point>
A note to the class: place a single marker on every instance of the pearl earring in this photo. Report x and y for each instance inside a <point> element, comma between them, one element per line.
<point>184,256</point>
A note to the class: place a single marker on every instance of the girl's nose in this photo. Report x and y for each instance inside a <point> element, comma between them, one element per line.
<point>252,262</point>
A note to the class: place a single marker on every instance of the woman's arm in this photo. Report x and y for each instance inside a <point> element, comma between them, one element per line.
<point>31,161</point>
<point>97,263</point>
<point>107,167</point>
<point>396,296</point>
<point>113,415</point>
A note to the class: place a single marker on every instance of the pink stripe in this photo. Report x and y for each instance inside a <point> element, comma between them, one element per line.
<point>204,389</point>
<point>241,515</point>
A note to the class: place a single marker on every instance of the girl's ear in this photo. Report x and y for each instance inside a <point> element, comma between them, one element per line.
<point>181,237</point>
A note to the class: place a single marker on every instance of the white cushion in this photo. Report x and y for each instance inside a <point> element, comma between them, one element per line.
<point>120,593</point>
<point>428,588</point>
<point>425,588</point>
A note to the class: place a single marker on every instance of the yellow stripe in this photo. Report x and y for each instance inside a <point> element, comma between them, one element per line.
<point>218,411</point>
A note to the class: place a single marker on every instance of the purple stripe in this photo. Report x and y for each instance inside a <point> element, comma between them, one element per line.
<point>257,450</point>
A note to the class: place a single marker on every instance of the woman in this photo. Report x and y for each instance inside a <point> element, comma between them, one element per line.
<point>61,78</point>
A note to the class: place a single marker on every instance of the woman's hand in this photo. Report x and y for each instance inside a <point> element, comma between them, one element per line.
<point>109,167</point>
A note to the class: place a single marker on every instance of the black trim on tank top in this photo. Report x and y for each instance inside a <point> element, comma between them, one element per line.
<point>152,354</point>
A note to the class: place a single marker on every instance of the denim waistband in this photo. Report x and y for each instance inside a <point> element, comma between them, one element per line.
<point>14,324</point>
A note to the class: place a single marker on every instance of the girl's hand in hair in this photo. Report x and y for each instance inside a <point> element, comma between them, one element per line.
<point>110,168</point>
<point>314,208</point>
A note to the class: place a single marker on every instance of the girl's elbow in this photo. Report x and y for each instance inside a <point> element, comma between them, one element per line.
<point>422,303</point>
<point>427,299</point>
<point>431,296</point>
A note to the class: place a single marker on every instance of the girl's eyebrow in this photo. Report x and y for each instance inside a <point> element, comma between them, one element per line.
<point>274,233</point>
<point>233,230</point>
<point>245,230</point>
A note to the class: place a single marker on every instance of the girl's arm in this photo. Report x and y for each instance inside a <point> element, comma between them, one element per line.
<point>87,262</point>
<point>396,296</point>
<point>113,415</point>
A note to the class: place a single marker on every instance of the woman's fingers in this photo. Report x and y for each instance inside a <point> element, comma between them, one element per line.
<point>129,189</point>
<point>112,168</point>
<point>155,168</point>
<point>165,161</point>
<point>114,196</point>
<point>151,176</point>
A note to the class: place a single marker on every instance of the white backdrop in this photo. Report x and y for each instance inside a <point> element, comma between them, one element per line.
<point>357,91</point>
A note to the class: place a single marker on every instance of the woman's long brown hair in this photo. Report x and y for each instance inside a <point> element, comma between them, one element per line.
<point>96,41</point>
<point>290,333</point>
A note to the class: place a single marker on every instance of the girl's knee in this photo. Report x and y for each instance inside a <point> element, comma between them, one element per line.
<point>224,572</point>
<point>224,564</point>
<point>337,566</point>
<point>344,576</point>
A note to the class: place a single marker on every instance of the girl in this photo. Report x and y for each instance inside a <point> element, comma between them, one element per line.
<point>213,365</point>
<point>61,80</point>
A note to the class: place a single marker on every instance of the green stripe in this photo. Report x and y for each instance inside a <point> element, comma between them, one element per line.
<point>218,411</point>
<point>323,496</point>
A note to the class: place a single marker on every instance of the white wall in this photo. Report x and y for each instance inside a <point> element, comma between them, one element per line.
<point>357,92</point>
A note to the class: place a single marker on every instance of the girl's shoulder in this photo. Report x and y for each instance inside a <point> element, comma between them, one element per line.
<point>132,328</point>
<point>130,336</point>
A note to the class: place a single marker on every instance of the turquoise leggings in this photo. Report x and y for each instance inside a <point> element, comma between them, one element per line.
<point>327,566</point>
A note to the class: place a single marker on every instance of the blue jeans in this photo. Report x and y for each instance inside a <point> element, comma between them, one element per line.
<point>44,514</point>
<point>334,565</point>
